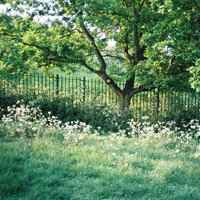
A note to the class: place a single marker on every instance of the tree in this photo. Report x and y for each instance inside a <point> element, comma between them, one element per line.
<point>195,78</point>
<point>155,41</point>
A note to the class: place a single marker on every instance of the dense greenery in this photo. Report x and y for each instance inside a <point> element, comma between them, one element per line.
<point>105,119</point>
<point>195,78</point>
<point>152,43</point>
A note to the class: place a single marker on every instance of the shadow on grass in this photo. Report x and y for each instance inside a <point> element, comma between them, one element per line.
<point>51,171</point>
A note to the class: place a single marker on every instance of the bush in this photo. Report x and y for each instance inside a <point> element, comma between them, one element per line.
<point>29,122</point>
<point>6,101</point>
<point>102,118</point>
<point>182,116</point>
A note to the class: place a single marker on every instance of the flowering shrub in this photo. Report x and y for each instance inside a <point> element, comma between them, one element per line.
<point>22,120</point>
<point>103,118</point>
<point>29,122</point>
<point>186,132</point>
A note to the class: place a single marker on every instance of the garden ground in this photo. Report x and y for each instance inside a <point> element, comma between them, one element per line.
<point>99,168</point>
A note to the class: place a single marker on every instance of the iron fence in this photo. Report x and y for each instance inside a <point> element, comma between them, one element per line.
<point>154,103</point>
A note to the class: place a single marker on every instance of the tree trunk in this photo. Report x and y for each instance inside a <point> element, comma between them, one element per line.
<point>124,103</point>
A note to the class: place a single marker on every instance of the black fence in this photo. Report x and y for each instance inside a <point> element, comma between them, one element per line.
<point>155,103</point>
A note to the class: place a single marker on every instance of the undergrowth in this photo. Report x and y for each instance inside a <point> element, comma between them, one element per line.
<point>43,158</point>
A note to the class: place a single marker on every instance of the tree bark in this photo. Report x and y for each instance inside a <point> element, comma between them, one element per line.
<point>124,103</point>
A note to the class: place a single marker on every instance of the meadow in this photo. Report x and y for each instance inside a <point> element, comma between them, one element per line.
<point>44,159</point>
<point>97,168</point>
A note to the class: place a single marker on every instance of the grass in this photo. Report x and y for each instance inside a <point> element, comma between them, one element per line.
<point>99,168</point>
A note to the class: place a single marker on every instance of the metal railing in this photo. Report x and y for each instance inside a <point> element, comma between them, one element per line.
<point>85,90</point>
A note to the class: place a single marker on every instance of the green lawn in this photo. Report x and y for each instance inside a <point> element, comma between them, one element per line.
<point>99,168</point>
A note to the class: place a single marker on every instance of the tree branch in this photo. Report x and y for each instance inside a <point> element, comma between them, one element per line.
<point>88,67</point>
<point>108,55</point>
<point>111,12</point>
<point>93,43</point>
<point>142,88</point>
<point>52,55</point>
<point>126,48</point>
<point>112,56</point>
<point>109,81</point>
<point>136,37</point>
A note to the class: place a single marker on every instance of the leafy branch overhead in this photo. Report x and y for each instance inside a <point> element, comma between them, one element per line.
<point>147,43</point>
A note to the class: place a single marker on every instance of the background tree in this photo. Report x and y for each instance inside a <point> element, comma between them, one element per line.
<point>154,41</point>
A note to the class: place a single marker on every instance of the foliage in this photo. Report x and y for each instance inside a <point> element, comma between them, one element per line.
<point>154,42</point>
<point>195,72</point>
<point>182,116</point>
<point>99,117</point>
<point>105,119</point>
<point>28,122</point>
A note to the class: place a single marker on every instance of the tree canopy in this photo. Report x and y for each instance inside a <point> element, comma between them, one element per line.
<point>151,42</point>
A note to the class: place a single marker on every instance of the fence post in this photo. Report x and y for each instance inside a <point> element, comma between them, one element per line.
<point>157,103</point>
<point>57,84</point>
<point>84,89</point>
